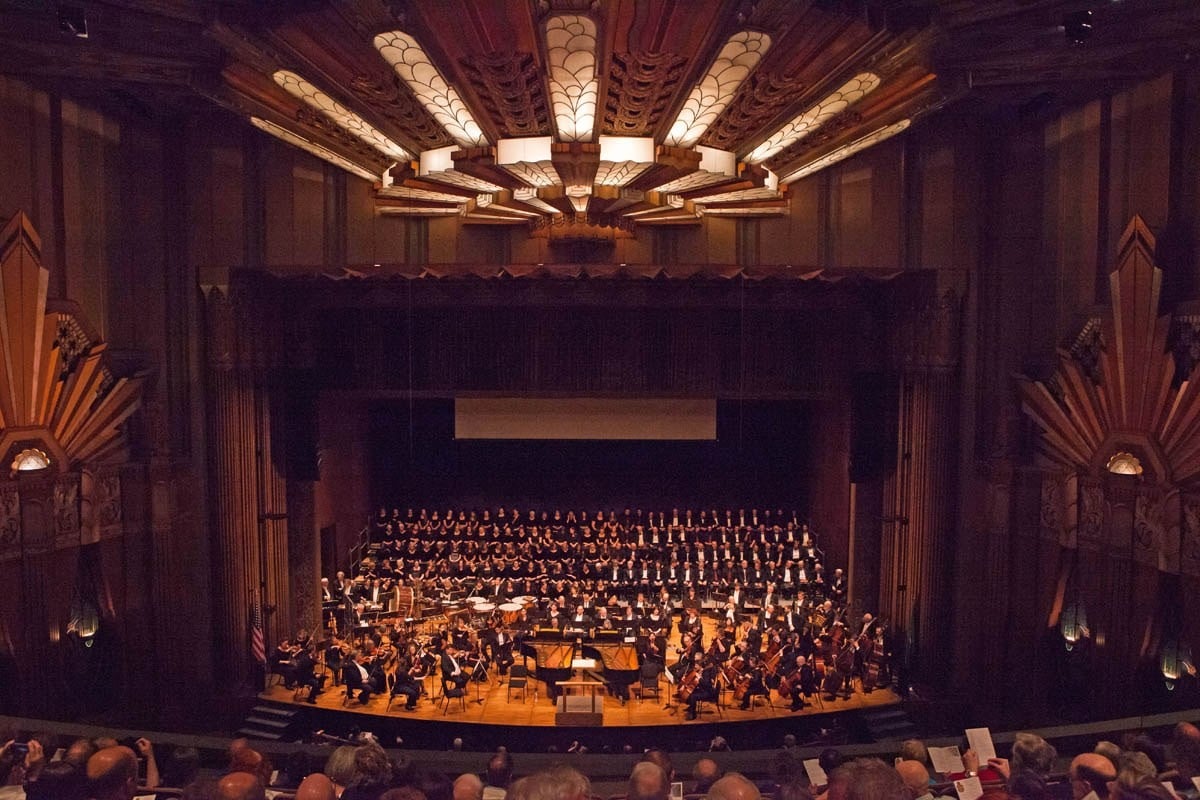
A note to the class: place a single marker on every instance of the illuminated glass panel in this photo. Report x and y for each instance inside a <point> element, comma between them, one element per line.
<point>873,138</point>
<point>349,121</point>
<point>440,99</point>
<point>311,147</point>
<point>574,88</point>
<point>847,95</point>
<point>708,99</point>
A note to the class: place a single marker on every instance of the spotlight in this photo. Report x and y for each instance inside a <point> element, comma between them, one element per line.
<point>1077,26</point>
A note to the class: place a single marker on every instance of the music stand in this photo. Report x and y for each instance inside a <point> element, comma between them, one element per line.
<point>670,706</point>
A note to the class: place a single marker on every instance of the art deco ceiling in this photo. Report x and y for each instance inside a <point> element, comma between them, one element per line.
<point>585,114</point>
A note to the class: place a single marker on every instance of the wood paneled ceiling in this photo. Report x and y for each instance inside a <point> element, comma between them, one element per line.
<point>584,118</point>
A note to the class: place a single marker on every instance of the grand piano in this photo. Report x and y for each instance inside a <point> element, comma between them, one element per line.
<point>554,651</point>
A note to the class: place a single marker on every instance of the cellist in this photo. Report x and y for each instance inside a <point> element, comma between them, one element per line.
<point>705,689</point>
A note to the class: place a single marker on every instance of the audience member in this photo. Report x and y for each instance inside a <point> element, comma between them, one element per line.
<point>557,783</point>
<point>240,786</point>
<point>1091,772</point>
<point>705,773</point>
<point>656,755</point>
<point>112,773</point>
<point>316,787</point>
<point>498,776</point>
<point>372,774</point>
<point>914,750</point>
<point>734,786</point>
<point>468,786</point>
<point>340,767</point>
<point>647,781</point>
<point>1032,752</point>
<point>866,779</point>
<point>915,776</point>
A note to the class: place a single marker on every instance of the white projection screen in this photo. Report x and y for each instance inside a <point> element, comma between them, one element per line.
<point>596,418</point>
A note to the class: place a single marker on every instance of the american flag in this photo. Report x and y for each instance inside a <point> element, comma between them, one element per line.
<point>258,645</point>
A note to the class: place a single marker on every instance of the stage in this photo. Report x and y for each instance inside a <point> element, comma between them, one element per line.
<point>487,704</point>
<point>487,717</point>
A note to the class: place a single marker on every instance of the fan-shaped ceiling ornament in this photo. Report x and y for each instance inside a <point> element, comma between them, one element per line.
<point>58,393</point>
<point>577,118</point>
<point>1128,405</point>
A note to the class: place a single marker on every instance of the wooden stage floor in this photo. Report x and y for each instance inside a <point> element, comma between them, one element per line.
<point>538,711</point>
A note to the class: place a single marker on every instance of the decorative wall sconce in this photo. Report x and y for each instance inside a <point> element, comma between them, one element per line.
<point>30,459</point>
<point>1124,463</point>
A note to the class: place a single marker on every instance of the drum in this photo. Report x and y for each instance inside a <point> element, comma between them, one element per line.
<point>526,600</point>
<point>483,608</point>
<point>511,612</point>
<point>474,601</point>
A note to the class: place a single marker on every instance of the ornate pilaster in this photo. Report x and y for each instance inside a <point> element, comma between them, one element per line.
<point>249,503</point>
<point>920,496</point>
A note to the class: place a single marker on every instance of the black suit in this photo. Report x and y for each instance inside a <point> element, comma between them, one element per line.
<point>304,666</point>
<point>352,676</point>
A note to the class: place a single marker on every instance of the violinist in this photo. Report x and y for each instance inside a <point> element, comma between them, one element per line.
<point>304,668</point>
<point>453,672</point>
<point>407,684</point>
<point>704,676</point>
<point>501,646</point>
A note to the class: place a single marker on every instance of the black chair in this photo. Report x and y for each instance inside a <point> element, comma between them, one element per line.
<point>649,684</point>
<point>451,691</point>
<point>518,678</point>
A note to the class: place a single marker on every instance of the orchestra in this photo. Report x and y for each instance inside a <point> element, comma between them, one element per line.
<point>461,594</point>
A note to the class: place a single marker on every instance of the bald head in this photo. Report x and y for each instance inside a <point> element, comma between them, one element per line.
<point>915,776</point>
<point>240,786</point>
<point>1091,772</point>
<point>316,787</point>
<point>734,786</point>
<point>468,787</point>
<point>647,781</point>
<point>112,773</point>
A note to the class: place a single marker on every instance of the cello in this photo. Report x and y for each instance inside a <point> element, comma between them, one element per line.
<point>689,682</point>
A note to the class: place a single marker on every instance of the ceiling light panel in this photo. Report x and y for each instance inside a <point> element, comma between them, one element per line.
<point>349,121</point>
<point>708,99</point>
<point>802,125</point>
<point>574,87</point>
<point>440,99</point>
<point>312,147</point>
<point>844,152</point>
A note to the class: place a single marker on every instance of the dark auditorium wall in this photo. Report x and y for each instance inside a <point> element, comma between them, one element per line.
<point>104,190</point>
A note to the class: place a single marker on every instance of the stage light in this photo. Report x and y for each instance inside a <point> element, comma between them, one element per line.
<point>1077,25</point>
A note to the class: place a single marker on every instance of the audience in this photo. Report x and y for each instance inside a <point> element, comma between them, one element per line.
<point>100,769</point>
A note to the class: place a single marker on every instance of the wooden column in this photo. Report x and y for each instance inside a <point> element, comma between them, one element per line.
<point>920,496</point>
<point>249,498</point>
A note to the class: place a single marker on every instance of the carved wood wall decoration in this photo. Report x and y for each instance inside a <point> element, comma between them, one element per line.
<point>1139,397</point>
<point>56,387</point>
